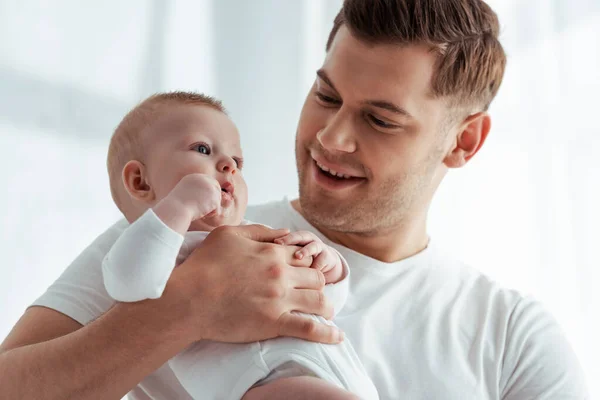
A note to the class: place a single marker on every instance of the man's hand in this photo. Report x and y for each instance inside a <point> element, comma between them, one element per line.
<point>241,287</point>
<point>325,259</point>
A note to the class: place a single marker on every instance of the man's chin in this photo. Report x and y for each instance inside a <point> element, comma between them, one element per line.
<point>323,211</point>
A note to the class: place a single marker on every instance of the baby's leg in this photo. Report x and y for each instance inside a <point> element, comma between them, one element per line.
<point>299,388</point>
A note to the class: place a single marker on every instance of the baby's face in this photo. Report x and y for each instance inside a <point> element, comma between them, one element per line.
<point>190,139</point>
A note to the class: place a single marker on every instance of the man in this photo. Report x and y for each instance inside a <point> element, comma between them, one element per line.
<point>400,99</point>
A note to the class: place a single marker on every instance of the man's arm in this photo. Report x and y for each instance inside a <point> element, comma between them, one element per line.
<point>48,355</point>
<point>251,290</point>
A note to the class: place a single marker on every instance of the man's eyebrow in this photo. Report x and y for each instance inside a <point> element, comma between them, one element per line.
<point>386,105</point>
<point>323,75</point>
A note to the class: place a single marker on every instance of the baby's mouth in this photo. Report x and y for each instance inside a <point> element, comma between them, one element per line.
<point>227,190</point>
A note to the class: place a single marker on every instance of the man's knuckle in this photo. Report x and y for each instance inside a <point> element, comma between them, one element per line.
<point>223,230</point>
<point>310,327</point>
<point>275,272</point>
<point>269,250</point>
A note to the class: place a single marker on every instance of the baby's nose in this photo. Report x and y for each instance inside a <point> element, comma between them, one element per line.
<point>227,165</point>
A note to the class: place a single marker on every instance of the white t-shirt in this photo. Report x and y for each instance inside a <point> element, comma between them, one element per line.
<point>427,327</point>
<point>138,267</point>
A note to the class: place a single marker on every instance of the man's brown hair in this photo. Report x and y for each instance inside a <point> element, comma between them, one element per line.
<point>463,34</point>
<point>127,142</point>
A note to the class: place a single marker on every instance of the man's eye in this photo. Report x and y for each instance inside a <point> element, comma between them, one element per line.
<point>380,123</point>
<point>326,99</point>
<point>203,149</point>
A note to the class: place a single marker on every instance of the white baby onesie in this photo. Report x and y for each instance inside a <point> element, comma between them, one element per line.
<point>138,267</point>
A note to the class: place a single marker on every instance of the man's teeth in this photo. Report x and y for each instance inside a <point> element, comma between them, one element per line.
<point>332,172</point>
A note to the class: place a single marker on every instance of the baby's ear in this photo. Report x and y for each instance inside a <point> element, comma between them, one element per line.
<point>471,136</point>
<point>135,180</point>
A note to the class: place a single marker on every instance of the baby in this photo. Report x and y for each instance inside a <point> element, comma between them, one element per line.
<point>175,166</point>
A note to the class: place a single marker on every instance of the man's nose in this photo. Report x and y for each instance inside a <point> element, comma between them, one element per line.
<point>338,135</point>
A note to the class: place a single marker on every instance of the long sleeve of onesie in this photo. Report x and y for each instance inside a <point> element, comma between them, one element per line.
<point>139,264</point>
<point>337,293</point>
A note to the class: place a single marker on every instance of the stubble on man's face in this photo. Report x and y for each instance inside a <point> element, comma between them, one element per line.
<point>399,164</point>
<point>371,209</point>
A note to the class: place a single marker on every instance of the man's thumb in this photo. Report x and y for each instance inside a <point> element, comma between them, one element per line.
<point>261,233</point>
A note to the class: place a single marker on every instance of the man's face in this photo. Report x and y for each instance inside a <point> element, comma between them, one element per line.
<point>371,118</point>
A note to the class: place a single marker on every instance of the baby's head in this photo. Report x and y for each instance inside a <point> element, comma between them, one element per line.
<point>166,137</point>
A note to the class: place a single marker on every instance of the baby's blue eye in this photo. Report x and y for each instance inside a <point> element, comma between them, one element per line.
<point>203,149</point>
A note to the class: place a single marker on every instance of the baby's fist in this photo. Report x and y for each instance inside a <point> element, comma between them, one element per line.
<point>200,194</point>
<point>325,258</point>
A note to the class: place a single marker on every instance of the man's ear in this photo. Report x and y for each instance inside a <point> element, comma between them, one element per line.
<point>471,135</point>
<point>135,180</point>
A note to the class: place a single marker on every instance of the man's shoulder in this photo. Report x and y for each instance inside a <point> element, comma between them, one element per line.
<point>79,292</point>
<point>512,314</point>
<point>94,253</point>
<point>480,292</point>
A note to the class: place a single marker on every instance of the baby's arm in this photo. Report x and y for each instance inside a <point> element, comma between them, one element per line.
<point>325,258</point>
<point>140,262</point>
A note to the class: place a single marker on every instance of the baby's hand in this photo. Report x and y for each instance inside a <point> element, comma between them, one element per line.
<point>199,194</point>
<point>325,258</point>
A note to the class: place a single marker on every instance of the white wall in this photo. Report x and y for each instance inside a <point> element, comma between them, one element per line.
<point>525,211</point>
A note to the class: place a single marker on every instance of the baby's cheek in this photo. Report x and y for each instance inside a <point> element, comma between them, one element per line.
<point>165,184</point>
<point>244,190</point>
<point>243,198</point>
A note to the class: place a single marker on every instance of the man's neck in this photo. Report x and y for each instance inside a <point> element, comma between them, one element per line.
<point>388,246</point>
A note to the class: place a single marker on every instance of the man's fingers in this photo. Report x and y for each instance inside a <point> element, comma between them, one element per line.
<point>300,238</point>
<point>306,278</point>
<point>305,327</point>
<point>260,233</point>
<point>311,302</point>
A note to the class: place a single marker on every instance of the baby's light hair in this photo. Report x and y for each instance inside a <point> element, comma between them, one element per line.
<point>127,142</point>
